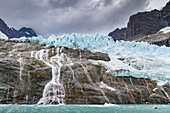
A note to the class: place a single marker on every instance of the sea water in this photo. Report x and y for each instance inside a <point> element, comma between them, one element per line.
<point>84,109</point>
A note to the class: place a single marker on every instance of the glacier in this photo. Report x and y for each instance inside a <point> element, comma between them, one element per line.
<point>136,59</point>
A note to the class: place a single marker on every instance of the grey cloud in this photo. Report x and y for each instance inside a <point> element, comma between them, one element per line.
<point>64,3</point>
<point>107,2</point>
<point>66,16</point>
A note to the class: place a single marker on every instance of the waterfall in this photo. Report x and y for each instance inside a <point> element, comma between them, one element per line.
<point>20,60</point>
<point>54,92</point>
<point>167,95</point>
<point>26,99</point>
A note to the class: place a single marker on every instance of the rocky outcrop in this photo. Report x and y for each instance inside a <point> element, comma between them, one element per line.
<point>13,33</point>
<point>145,23</point>
<point>23,78</point>
<point>166,13</point>
<point>157,39</point>
<point>118,34</point>
<point>144,26</point>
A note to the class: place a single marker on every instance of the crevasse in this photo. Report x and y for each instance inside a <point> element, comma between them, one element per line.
<point>137,59</point>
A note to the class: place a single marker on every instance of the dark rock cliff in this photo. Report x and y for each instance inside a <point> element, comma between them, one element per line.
<point>144,26</point>
<point>146,23</point>
<point>23,78</point>
<point>118,34</point>
<point>157,39</point>
<point>13,33</point>
<point>166,13</point>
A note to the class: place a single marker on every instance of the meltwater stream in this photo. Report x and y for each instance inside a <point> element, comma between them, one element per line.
<point>54,92</point>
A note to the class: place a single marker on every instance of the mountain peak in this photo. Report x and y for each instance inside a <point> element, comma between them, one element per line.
<point>146,23</point>
<point>13,33</point>
<point>118,34</point>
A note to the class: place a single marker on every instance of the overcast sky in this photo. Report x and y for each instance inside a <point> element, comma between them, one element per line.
<point>48,17</point>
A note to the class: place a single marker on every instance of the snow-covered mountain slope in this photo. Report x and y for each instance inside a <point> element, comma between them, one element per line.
<point>3,36</point>
<point>137,59</point>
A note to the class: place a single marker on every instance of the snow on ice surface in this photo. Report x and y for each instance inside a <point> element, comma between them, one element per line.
<point>3,36</point>
<point>164,30</point>
<point>137,59</point>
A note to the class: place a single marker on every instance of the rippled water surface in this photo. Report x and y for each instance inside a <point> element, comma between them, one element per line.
<point>84,109</point>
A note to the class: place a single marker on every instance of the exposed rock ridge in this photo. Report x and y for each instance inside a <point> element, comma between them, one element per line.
<point>118,34</point>
<point>146,23</point>
<point>144,26</point>
<point>13,33</point>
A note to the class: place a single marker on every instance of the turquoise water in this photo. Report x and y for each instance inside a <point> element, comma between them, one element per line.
<point>84,109</point>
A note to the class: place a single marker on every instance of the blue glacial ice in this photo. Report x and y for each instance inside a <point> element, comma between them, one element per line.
<point>137,59</point>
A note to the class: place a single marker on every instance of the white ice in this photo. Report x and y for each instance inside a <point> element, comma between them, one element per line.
<point>164,30</point>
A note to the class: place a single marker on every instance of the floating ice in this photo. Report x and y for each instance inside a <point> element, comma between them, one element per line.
<point>137,59</point>
<point>110,105</point>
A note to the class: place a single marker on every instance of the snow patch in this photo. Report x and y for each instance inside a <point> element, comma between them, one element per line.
<point>164,30</point>
<point>3,36</point>
<point>27,33</point>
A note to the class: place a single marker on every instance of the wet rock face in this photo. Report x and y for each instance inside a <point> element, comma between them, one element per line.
<point>23,78</point>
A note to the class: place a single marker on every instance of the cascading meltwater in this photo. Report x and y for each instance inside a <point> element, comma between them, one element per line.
<point>54,92</point>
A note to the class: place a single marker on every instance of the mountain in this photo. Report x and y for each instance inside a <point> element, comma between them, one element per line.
<point>145,23</point>
<point>166,13</point>
<point>160,38</point>
<point>13,33</point>
<point>144,26</point>
<point>118,34</point>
